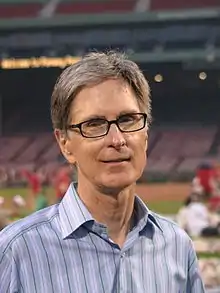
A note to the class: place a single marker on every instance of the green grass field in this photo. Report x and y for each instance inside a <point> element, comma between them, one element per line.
<point>164,207</point>
<point>8,193</point>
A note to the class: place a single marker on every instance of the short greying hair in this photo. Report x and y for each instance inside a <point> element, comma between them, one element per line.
<point>95,68</point>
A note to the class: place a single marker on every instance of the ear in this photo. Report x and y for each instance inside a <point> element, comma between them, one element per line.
<point>146,141</point>
<point>64,143</point>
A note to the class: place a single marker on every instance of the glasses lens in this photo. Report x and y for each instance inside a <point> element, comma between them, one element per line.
<point>131,122</point>
<point>94,127</point>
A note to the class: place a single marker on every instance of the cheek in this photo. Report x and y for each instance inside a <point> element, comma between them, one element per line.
<point>85,155</point>
<point>141,159</point>
<point>138,142</point>
<point>142,164</point>
<point>139,146</point>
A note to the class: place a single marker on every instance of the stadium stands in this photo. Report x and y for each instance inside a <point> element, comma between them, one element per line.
<point>164,143</point>
<point>35,149</point>
<point>185,142</point>
<point>28,149</point>
<point>172,151</point>
<point>177,152</point>
<point>10,146</point>
<point>20,8</point>
<point>68,7</point>
<point>28,152</point>
<point>161,165</point>
<point>182,4</point>
<point>190,164</point>
<point>51,154</point>
<point>46,8</point>
<point>32,8</point>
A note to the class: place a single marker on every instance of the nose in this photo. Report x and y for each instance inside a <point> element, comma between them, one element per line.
<point>115,137</point>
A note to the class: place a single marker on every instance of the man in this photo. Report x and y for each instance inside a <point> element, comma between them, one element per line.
<point>101,237</point>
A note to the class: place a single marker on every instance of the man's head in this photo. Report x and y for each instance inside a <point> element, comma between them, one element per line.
<point>97,89</point>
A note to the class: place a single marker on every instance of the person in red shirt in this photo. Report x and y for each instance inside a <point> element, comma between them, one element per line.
<point>62,182</point>
<point>207,183</point>
<point>204,180</point>
<point>214,201</point>
<point>33,181</point>
<point>34,184</point>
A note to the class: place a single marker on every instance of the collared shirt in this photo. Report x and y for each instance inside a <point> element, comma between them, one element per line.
<point>63,249</point>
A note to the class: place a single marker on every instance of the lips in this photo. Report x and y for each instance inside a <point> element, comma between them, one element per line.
<point>116,160</point>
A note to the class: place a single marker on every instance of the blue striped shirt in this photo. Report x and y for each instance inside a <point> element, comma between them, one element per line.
<point>63,249</point>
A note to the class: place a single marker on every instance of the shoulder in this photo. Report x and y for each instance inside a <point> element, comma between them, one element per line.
<point>28,225</point>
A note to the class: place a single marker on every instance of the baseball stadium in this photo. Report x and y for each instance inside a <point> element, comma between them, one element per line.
<point>177,46</point>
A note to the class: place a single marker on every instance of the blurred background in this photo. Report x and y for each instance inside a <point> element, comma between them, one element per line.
<point>177,45</point>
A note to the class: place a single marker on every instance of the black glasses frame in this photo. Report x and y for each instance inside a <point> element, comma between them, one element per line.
<point>72,127</point>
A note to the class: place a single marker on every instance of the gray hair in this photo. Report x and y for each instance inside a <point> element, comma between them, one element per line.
<point>95,68</point>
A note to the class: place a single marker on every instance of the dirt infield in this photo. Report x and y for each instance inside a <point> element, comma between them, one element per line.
<point>163,191</point>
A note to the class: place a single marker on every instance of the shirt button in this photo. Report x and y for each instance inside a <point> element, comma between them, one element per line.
<point>123,255</point>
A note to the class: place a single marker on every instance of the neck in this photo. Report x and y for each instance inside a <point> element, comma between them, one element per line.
<point>114,210</point>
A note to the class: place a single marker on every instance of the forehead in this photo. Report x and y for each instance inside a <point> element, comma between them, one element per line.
<point>107,99</point>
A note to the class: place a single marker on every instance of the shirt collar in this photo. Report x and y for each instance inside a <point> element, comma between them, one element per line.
<point>73,213</point>
<point>144,215</point>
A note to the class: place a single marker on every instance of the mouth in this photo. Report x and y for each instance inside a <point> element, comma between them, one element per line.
<point>121,160</point>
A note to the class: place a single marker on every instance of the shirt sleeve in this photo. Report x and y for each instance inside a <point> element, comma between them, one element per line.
<point>8,274</point>
<point>194,280</point>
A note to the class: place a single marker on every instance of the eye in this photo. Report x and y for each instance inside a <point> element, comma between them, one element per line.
<point>127,118</point>
<point>95,123</point>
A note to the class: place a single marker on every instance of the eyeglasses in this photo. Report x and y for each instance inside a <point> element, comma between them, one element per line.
<point>99,127</point>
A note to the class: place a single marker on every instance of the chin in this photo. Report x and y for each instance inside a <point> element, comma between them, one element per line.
<point>117,182</point>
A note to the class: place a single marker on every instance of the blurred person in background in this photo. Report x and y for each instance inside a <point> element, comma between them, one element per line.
<point>34,184</point>
<point>214,200</point>
<point>181,216</point>
<point>4,219</point>
<point>41,201</point>
<point>3,177</point>
<point>199,221</point>
<point>203,182</point>
<point>207,183</point>
<point>61,181</point>
<point>101,237</point>
<point>18,207</point>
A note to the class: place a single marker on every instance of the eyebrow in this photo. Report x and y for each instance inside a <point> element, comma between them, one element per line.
<point>125,112</point>
<point>93,116</point>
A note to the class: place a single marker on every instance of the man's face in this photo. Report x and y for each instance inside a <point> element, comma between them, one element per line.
<point>96,158</point>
